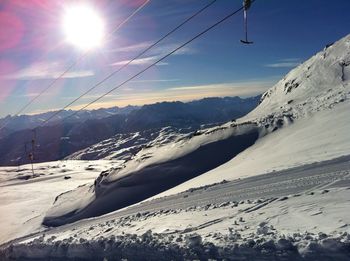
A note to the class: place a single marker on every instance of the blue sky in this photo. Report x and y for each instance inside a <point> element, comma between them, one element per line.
<point>33,51</point>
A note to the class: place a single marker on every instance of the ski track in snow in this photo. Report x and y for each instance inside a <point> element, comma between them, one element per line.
<point>257,209</point>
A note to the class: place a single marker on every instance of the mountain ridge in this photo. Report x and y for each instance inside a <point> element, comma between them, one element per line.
<point>55,142</point>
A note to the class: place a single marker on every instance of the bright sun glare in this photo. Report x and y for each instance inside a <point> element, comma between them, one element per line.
<point>83,27</point>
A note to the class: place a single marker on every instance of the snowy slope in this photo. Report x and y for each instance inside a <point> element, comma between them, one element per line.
<point>288,122</point>
<point>154,170</point>
<point>126,145</point>
<point>288,214</point>
<point>160,123</point>
<point>26,199</point>
<point>241,220</point>
<point>319,83</point>
<point>319,137</point>
<point>309,107</point>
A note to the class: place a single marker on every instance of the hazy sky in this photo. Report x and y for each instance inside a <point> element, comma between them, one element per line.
<point>33,50</point>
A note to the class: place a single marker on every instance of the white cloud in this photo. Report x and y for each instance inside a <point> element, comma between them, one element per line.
<point>46,70</point>
<point>154,54</point>
<point>291,60</point>
<point>140,61</point>
<point>155,80</point>
<point>130,48</point>
<point>282,65</point>
<point>240,86</point>
<point>285,63</point>
<point>164,49</point>
<point>155,50</point>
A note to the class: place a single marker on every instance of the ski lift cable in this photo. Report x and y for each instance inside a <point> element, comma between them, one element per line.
<point>161,59</point>
<point>118,70</point>
<point>81,57</point>
<point>130,61</point>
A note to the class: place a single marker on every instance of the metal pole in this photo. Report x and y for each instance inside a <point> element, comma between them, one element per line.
<point>32,167</point>
<point>30,156</point>
<point>246,24</point>
<point>33,148</point>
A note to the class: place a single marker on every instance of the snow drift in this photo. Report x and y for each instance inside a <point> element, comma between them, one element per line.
<point>153,170</point>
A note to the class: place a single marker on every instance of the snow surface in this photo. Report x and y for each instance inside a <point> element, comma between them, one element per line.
<point>317,84</point>
<point>320,137</point>
<point>26,199</point>
<point>312,97</point>
<point>125,146</point>
<point>154,170</point>
<point>310,109</point>
<point>289,214</point>
<point>303,225</point>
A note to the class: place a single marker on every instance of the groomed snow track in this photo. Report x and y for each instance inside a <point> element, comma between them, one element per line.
<point>260,191</point>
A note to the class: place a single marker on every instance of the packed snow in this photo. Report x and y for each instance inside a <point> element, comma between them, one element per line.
<point>25,198</point>
<point>257,221</point>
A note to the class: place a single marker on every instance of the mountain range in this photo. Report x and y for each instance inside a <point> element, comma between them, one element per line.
<point>62,138</point>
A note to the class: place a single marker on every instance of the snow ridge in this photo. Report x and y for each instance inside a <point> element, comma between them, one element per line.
<point>319,83</point>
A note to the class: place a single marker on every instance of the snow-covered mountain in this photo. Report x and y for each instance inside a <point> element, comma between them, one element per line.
<point>163,123</point>
<point>272,185</point>
<point>284,128</point>
<point>54,142</point>
<point>318,84</point>
<point>21,122</point>
<point>309,108</point>
<point>125,146</point>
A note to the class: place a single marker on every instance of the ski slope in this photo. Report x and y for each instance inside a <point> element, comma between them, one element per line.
<point>281,186</point>
<point>291,123</point>
<point>305,117</point>
<point>26,199</point>
<point>320,137</point>
<point>253,214</point>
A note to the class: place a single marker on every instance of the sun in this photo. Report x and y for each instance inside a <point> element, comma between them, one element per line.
<point>83,27</point>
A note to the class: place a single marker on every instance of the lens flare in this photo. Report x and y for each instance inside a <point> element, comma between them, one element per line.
<point>83,27</point>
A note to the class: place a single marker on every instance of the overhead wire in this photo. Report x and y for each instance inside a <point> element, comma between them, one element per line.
<point>158,61</point>
<point>130,61</point>
<point>82,56</point>
<point>161,59</point>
